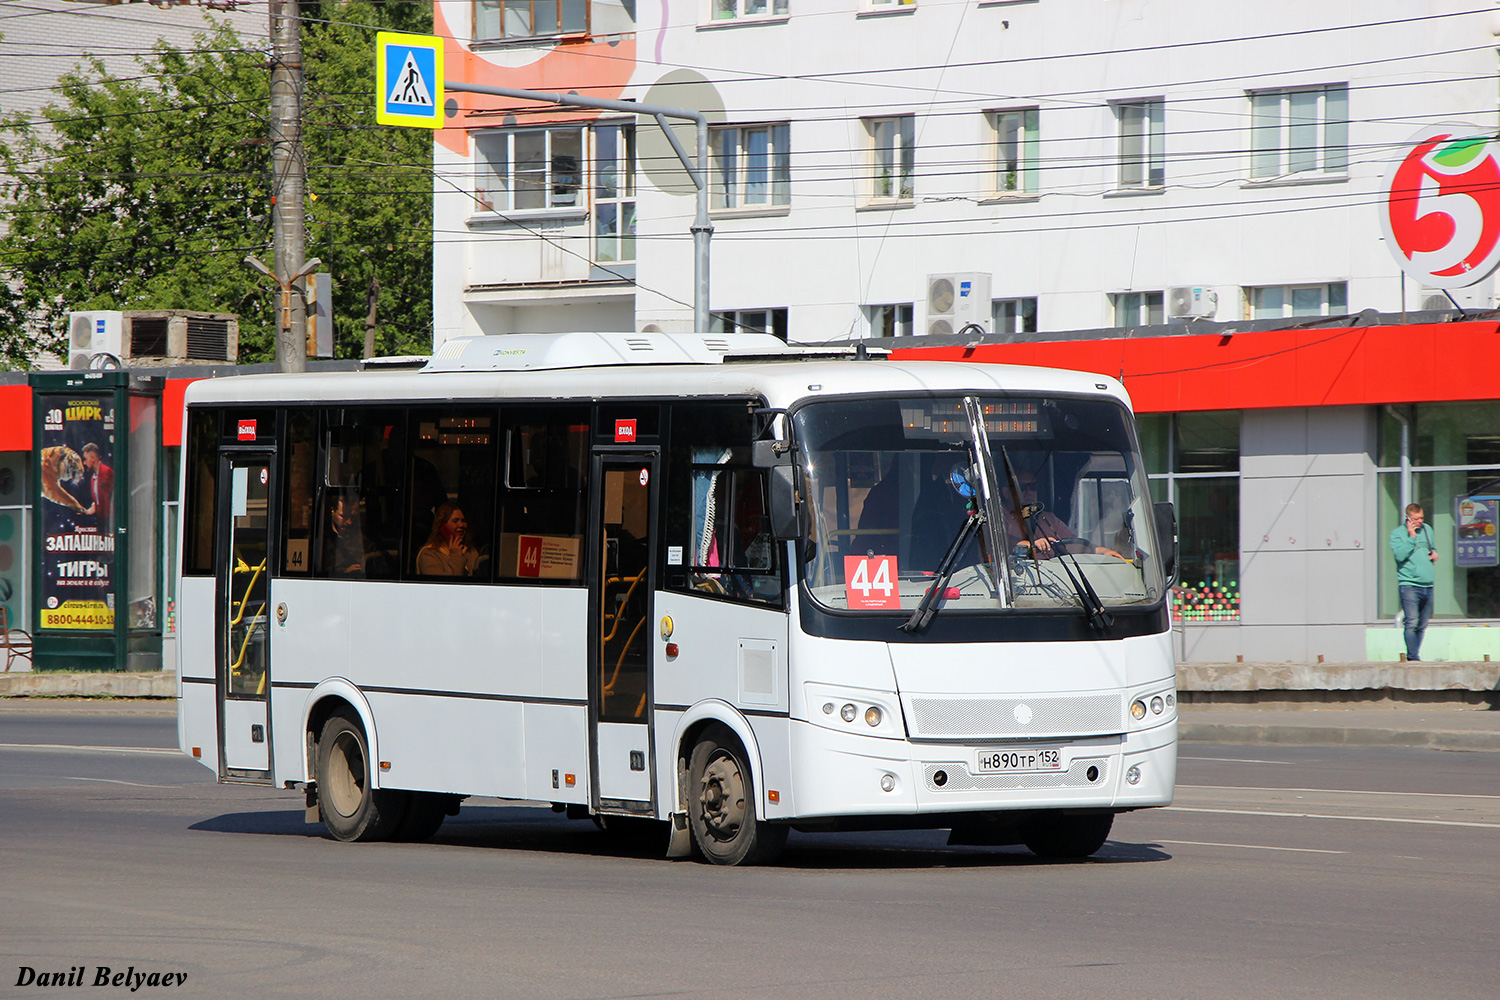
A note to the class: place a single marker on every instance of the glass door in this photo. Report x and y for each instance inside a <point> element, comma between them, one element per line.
<point>244,587</point>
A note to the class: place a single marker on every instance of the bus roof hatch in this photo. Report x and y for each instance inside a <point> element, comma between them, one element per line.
<point>550,351</point>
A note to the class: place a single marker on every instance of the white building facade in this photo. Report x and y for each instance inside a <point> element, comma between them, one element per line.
<point>1083,158</point>
<point>1074,177</point>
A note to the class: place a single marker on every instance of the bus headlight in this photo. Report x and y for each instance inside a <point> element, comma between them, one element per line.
<point>842,708</point>
<point>1138,710</point>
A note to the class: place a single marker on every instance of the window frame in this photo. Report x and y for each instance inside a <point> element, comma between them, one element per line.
<point>485,171</point>
<point>1143,308</point>
<point>735,187</point>
<point>1150,159</point>
<point>740,321</point>
<point>503,38</point>
<point>719,12</point>
<point>891,165</point>
<point>897,317</point>
<point>1326,299</point>
<point>623,201</point>
<point>1019,312</point>
<point>1278,141</point>
<point>1024,167</point>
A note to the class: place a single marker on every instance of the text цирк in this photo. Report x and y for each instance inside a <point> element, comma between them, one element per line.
<point>78,975</point>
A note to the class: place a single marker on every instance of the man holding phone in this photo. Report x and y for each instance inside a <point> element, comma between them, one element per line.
<point>1411,544</point>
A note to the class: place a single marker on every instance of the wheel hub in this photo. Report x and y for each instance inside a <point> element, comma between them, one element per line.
<point>723,798</point>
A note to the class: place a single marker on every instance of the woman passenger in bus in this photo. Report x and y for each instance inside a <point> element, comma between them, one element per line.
<point>447,552</point>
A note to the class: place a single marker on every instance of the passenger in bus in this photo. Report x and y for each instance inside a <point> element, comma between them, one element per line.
<point>447,552</point>
<point>1049,533</point>
<point>345,554</point>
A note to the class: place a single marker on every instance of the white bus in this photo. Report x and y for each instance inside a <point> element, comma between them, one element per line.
<point>716,582</point>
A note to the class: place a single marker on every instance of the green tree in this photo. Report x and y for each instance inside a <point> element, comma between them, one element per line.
<point>148,193</point>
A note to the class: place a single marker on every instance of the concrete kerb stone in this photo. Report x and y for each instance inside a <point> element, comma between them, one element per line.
<point>1243,677</point>
<point>88,685</point>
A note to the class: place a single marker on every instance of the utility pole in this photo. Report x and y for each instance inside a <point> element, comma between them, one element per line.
<point>288,181</point>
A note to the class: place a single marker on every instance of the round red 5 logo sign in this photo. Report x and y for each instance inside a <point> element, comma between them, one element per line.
<point>1441,206</point>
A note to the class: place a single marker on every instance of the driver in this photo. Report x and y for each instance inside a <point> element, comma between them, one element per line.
<point>1048,531</point>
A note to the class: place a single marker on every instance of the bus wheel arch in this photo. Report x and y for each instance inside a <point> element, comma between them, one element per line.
<point>690,730</point>
<point>327,698</point>
<point>352,807</point>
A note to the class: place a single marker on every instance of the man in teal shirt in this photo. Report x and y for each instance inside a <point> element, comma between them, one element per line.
<point>1411,544</point>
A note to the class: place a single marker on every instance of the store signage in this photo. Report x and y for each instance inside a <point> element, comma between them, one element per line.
<point>1440,209</point>
<point>77,513</point>
<point>1474,537</point>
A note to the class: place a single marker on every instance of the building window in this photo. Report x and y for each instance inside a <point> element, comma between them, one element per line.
<point>614,193</point>
<point>889,320</point>
<point>751,166</point>
<point>1193,460</point>
<point>497,20</point>
<point>891,157</point>
<point>1138,308</point>
<point>739,10</point>
<point>1143,143</point>
<point>1013,315</point>
<point>530,168</point>
<point>772,321</point>
<point>1299,132</point>
<point>1453,451</point>
<point>1281,301</point>
<point>1016,143</point>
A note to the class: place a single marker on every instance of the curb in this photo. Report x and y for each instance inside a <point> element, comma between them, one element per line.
<point>89,685</point>
<point>1427,739</point>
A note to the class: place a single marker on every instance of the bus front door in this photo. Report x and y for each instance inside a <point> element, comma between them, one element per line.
<point>620,607</point>
<point>243,610</point>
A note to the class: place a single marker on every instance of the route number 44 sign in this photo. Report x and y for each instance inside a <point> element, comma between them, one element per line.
<point>871,583</point>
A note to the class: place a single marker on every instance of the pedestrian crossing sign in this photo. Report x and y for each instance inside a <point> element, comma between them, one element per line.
<point>408,80</point>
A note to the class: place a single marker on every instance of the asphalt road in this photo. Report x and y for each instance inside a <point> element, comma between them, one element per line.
<point>1280,872</point>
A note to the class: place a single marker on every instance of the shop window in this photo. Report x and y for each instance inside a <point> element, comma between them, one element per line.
<point>1454,452</point>
<point>1193,460</point>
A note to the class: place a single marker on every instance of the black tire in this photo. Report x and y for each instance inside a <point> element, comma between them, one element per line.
<point>1059,837</point>
<point>425,812</point>
<point>721,804</point>
<point>352,809</point>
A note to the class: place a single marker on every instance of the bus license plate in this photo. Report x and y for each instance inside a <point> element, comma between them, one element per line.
<point>993,761</point>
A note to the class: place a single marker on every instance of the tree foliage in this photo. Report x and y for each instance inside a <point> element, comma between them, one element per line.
<point>148,193</point>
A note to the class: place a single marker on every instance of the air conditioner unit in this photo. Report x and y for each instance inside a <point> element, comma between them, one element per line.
<point>94,339</point>
<point>956,300</point>
<point>1191,302</point>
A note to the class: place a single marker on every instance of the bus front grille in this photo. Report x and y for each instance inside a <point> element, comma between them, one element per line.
<point>939,718</point>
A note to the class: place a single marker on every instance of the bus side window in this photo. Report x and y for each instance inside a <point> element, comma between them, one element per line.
<point>362,465</point>
<point>543,505</point>
<point>453,459</point>
<point>199,489</point>
<point>717,514</point>
<point>297,519</point>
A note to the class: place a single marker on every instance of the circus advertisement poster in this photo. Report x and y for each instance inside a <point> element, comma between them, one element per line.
<point>76,504</point>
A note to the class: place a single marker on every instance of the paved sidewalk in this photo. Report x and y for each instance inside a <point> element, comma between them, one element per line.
<point>1456,728</point>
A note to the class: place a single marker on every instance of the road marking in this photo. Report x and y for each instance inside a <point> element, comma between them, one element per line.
<point>1334,791</point>
<point>117,781</point>
<point>1363,819</point>
<point>1237,760</point>
<point>1253,847</point>
<point>82,749</point>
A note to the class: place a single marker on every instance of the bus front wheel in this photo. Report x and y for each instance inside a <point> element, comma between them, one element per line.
<point>352,808</point>
<point>721,804</point>
<point>1056,836</point>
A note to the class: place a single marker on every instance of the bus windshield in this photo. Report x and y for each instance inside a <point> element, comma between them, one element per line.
<point>903,489</point>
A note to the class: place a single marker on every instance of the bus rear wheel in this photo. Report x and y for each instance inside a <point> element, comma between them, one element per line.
<point>1056,836</point>
<point>721,804</point>
<point>352,808</point>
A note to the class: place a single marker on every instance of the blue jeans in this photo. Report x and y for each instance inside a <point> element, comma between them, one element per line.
<point>1416,608</point>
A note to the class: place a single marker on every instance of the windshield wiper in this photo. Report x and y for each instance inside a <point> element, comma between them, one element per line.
<point>927,609</point>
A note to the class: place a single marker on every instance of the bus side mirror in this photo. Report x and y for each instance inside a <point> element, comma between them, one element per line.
<point>1166,537</point>
<point>786,512</point>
